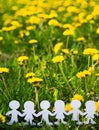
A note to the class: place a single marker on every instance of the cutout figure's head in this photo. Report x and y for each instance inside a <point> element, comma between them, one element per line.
<point>75,104</point>
<point>59,105</point>
<point>45,104</point>
<point>29,105</point>
<point>14,104</point>
<point>90,105</point>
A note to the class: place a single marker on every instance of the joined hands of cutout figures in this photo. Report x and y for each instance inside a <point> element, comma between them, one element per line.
<point>29,112</point>
<point>45,112</point>
<point>59,113</point>
<point>90,112</point>
<point>75,104</point>
<point>14,105</point>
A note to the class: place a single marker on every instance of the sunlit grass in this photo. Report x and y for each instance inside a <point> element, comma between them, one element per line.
<point>57,43</point>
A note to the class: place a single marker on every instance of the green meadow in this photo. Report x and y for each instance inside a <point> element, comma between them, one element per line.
<point>49,50</point>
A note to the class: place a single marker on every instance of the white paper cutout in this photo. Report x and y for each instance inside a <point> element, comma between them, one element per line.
<point>14,105</point>
<point>90,111</point>
<point>45,112</point>
<point>60,112</point>
<point>75,104</point>
<point>29,112</point>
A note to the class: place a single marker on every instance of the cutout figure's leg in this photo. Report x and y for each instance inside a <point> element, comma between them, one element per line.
<point>64,122</point>
<point>10,123</point>
<point>26,123</point>
<point>92,121</point>
<point>39,124</point>
<point>31,123</point>
<point>49,123</point>
<point>57,122</point>
<point>87,122</point>
<point>79,123</point>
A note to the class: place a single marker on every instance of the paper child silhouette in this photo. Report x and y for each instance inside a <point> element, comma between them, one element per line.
<point>14,105</point>
<point>45,112</point>
<point>90,111</point>
<point>75,104</point>
<point>60,111</point>
<point>29,112</point>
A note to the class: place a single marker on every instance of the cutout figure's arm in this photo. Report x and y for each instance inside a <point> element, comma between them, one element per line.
<point>51,114</point>
<point>23,114</point>
<point>8,113</point>
<point>39,114</point>
<point>96,114</point>
<point>20,114</point>
<point>81,113</point>
<point>84,113</point>
<point>68,113</point>
<point>36,115</point>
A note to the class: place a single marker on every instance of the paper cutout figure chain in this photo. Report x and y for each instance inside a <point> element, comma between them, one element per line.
<point>59,112</point>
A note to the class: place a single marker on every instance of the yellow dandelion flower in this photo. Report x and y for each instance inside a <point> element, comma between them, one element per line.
<point>92,21</point>
<point>2,118</point>
<point>54,22</point>
<point>33,20</point>
<point>89,17</point>
<point>80,39</point>
<point>91,69</point>
<point>68,32</point>
<point>34,79</point>
<point>37,84</point>
<point>14,8</point>
<point>92,93</point>
<point>29,28</point>
<point>75,52</point>
<point>67,26</point>
<point>97,106</point>
<point>78,97</point>
<point>4,70</point>
<point>21,33</point>
<point>90,51</point>
<point>57,47</point>
<point>27,33</point>
<point>30,74</point>
<point>53,109</point>
<point>95,57</point>
<point>97,74</point>
<point>16,24</point>
<point>80,75</point>
<point>86,72</point>
<point>1,38</point>
<point>61,9</point>
<point>43,67</point>
<point>16,42</point>
<point>32,41</point>
<point>53,14</point>
<point>71,9</point>
<point>97,31</point>
<point>66,51</point>
<point>95,10</point>
<point>92,3</point>
<point>58,59</point>
<point>68,107</point>
<point>21,59</point>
